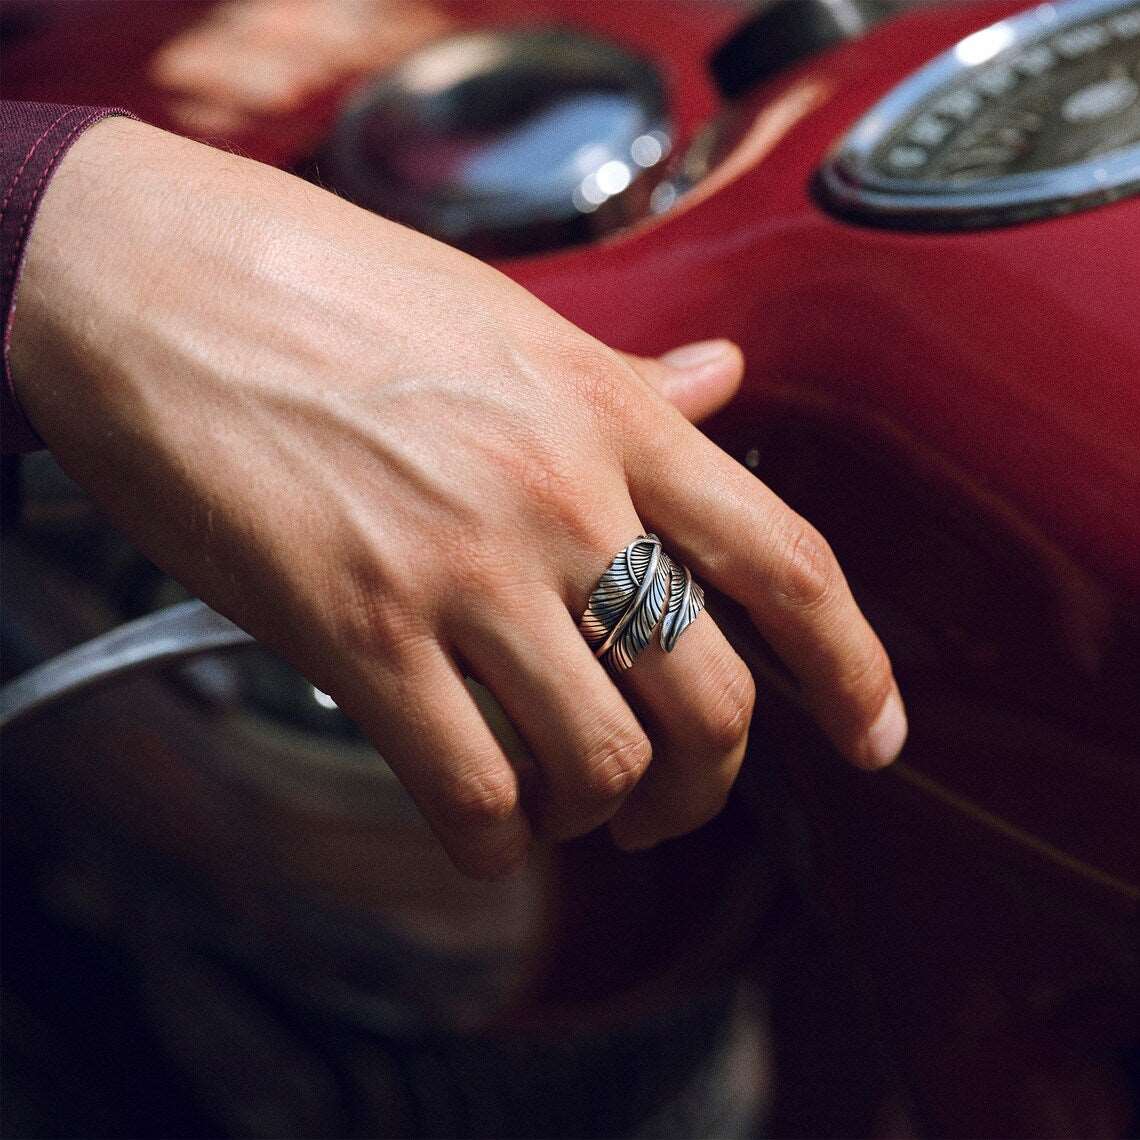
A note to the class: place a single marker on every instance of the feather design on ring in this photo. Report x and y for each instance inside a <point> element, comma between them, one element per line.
<point>686,600</point>
<point>617,590</point>
<point>635,631</point>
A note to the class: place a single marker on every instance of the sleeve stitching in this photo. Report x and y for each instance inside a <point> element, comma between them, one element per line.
<point>34,201</point>
<point>28,158</point>
<point>14,261</point>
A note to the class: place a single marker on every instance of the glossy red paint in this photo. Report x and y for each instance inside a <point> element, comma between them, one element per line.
<point>1014,352</point>
<point>959,414</point>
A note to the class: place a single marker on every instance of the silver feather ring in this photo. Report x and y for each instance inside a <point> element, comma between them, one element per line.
<point>642,588</point>
<point>686,600</point>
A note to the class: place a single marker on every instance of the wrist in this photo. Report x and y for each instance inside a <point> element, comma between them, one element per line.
<point>39,138</point>
<point>111,246</point>
<point>56,303</point>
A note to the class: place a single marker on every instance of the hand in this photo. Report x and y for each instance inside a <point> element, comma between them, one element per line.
<point>394,466</point>
<point>246,60</point>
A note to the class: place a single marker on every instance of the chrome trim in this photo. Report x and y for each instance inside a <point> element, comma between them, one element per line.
<point>177,632</point>
<point>590,182</point>
<point>852,185</point>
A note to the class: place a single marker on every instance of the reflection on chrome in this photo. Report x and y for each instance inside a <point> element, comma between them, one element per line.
<point>323,699</point>
<point>984,45</point>
<point>505,142</point>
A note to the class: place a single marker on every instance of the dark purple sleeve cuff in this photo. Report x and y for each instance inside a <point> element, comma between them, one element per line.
<point>33,138</point>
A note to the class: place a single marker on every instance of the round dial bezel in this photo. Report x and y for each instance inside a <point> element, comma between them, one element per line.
<point>852,184</point>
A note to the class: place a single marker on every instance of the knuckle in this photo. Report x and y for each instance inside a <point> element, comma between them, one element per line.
<point>487,572</point>
<point>552,487</point>
<point>600,379</point>
<point>724,721</point>
<point>375,627</point>
<point>809,571</point>
<point>368,614</point>
<point>477,801</point>
<point>558,488</point>
<point>615,767</point>
<point>571,508</point>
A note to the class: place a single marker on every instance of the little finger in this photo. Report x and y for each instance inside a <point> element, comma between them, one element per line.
<point>429,730</point>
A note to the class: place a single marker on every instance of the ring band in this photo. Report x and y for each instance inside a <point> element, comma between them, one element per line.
<point>686,600</point>
<point>641,589</point>
<point>617,589</point>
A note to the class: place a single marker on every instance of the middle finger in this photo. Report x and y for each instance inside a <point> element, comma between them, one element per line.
<point>696,702</point>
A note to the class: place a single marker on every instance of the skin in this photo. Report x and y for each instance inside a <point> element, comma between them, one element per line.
<point>246,60</point>
<point>395,467</point>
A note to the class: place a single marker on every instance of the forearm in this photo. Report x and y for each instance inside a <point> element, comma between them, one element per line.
<point>116,246</point>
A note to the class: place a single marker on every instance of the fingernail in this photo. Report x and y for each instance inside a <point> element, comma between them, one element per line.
<point>696,355</point>
<point>887,735</point>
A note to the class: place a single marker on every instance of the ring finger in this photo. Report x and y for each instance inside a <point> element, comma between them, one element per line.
<point>696,704</point>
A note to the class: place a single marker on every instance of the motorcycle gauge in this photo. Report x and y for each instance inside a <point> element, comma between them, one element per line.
<point>1031,117</point>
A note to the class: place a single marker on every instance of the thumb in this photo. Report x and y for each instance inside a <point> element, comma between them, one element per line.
<point>697,379</point>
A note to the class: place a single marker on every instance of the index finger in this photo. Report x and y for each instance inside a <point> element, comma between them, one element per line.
<point>735,533</point>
